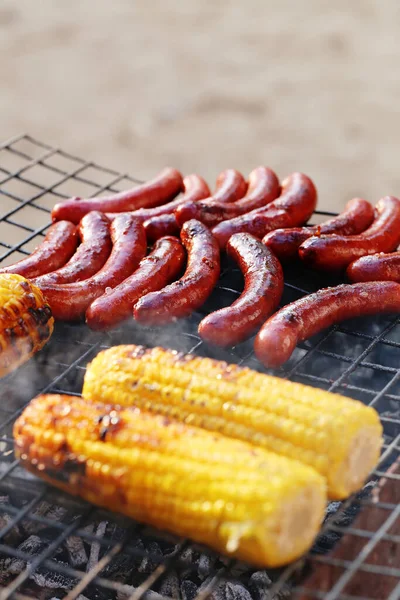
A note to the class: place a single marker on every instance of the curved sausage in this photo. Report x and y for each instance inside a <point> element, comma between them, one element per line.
<point>194,188</point>
<point>155,271</point>
<point>52,253</point>
<point>263,288</point>
<point>70,301</point>
<point>357,216</point>
<point>304,318</point>
<point>263,188</point>
<point>158,227</point>
<point>294,207</point>
<point>95,248</point>
<point>181,298</point>
<point>230,187</point>
<point>160,220</point>
<point>376,267</point>
<point>335,253</point>
<point>159,190</point>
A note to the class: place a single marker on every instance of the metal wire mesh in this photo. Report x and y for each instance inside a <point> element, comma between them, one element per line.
<point>53,546</point>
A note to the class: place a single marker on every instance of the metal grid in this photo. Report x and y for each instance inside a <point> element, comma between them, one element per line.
<point>54,546</point>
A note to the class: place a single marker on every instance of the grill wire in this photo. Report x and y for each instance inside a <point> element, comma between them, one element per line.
<point>55,546</point>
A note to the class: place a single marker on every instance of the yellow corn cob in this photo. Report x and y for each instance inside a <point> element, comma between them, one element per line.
<point>25,321</point>
<point>341,438</point>
<point>245,501</point>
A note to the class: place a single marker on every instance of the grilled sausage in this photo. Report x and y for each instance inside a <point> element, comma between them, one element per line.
<point>230,186</point>
<point>262,292</point>
<point>376,267</point>
<point>52,253</point>
<point>155,271</point>
<point>294,207</point>
<point>158,227</point>
<point>194,188</point>
<point>335,253</point>
<point>263,188</point>
<point>95,248</point>
<point>159,190</point>
<point>160,220</point>
<point>303,318</point>
<point>70,301</point>
<point>187,294</point>
<point>284,243</point>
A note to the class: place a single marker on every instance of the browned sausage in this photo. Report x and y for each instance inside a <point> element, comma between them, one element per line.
<point>95,248</point>
<point>160,220</point>
<point>158,227</point>
<point>194,188</point>
<point>56,249</point>
<point>376,267</point>
<point>263,188</point>
<point>294,207</point>
<point>336,252</point>
<point>159,190</point>
<point>230,186</point>
<point>155,271</point>
<point>284,243</point>
<point>304,318</point>
<point>263,287</point>
<point>70,301</point>
<point>181,298</point>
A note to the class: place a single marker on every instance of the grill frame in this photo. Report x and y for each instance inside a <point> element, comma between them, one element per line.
<point>365,369</point>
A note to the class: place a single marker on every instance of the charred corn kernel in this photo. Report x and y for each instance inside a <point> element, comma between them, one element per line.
<point>26,322</point>
<point>238,499</point>
<point>341,438</point>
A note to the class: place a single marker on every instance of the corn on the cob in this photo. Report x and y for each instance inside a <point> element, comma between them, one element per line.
<point>341,438</point>
<point>25,321</point>
<point>225,493</point>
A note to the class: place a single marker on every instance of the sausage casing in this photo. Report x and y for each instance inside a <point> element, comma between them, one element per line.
<point>262,292</point>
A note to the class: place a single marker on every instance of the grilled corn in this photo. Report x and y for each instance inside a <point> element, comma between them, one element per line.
<point>341,438</point>
<point>25,321</point>
<point>241,500</point>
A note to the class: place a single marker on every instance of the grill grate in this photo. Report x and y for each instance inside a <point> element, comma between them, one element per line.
<point>55,546</point>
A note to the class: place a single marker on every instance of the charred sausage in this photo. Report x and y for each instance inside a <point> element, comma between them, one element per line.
<point>303,318</point>
<point>336,252</point>
<point>355,219</point>
<point>263,287</point>
<point>155,271</point>
<point>52,253</point>
<point>159,190</point>
<point>294,207</point>
<point>92,253</point>
<point>263,188</point>
<point>187,294</point>
<point>70,301</point>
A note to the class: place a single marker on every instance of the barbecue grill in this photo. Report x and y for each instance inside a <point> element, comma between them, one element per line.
<point>55,546</point>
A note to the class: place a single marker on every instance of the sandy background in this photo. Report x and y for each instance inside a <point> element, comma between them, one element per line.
<point>202,85</point>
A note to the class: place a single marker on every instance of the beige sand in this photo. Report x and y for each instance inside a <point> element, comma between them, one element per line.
<point>306,85</point>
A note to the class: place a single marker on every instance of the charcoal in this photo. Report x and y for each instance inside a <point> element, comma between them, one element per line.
<point>76,551</point>
<point>49,579</point>
<point>205,565</point>
<point>169,586</point>
<point>227,590</point>
<point>150,563</point>
<point>95,546</point>
<point>259,584</point>
<point>188,590</point>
